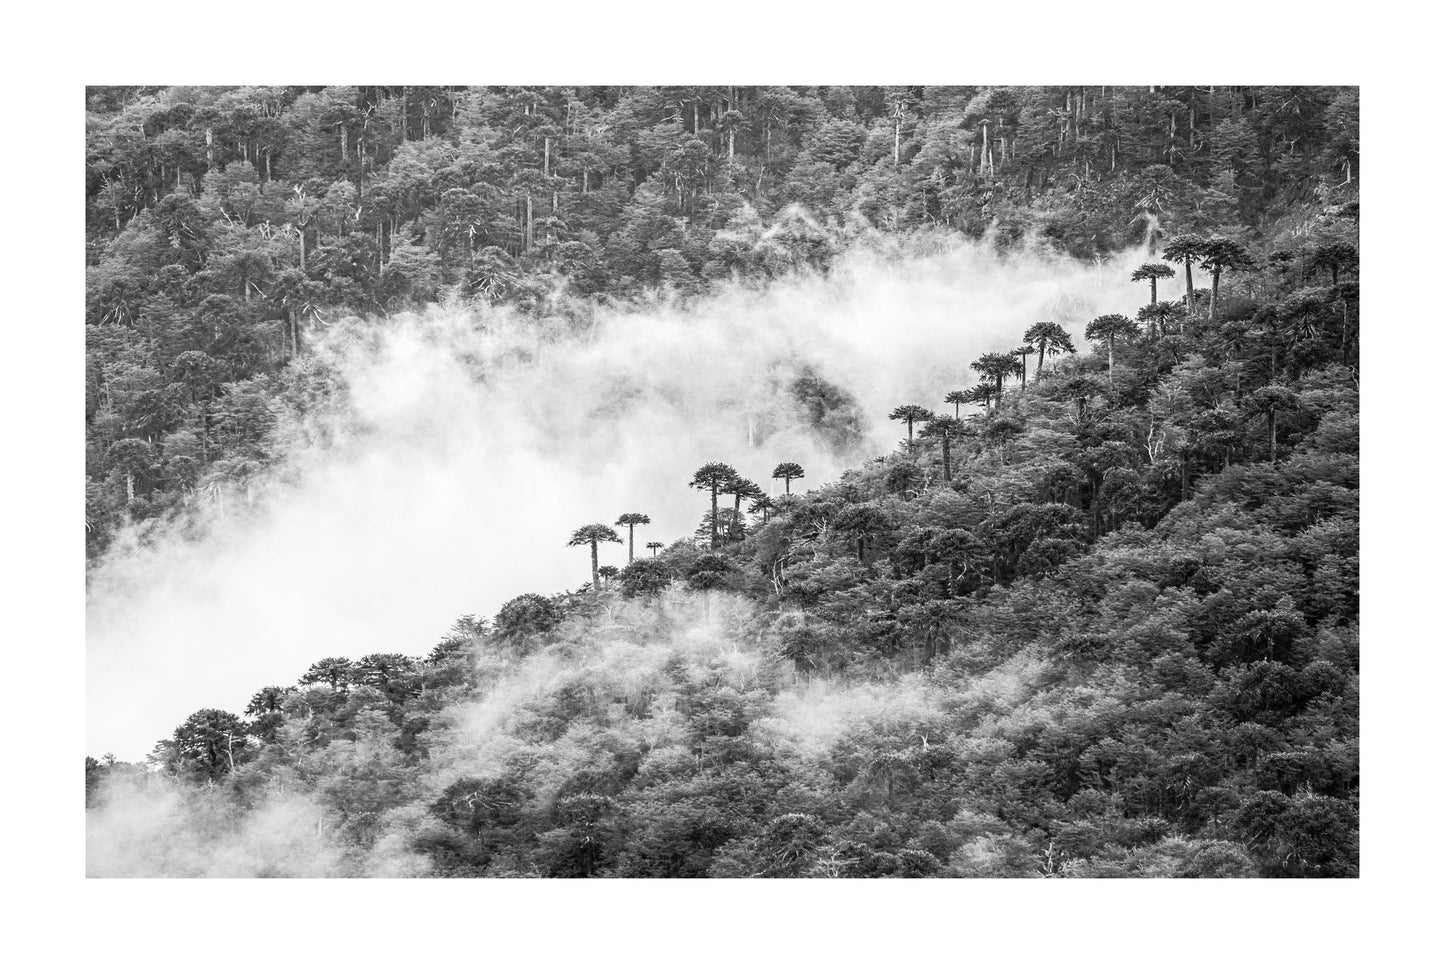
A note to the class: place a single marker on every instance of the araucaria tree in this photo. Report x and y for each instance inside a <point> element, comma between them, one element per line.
<point>944,428</point>
<point>1109,328</point>
<point>958,398</point>
<point>739,488</point>
<point>632,520</point>
<point>1269,401</point>
<point>712,477</point>
<point>1334,257</point>
<point>788,471</point>
<point>980,394</point>
<point>654,546</point>
<point>763,504</point>
<point>1158,317</point>
<point>1022,353</point>
<point>1049,338</point>
<point>591,535</point>
<point>1152,273</point>
<point>908,414</point>
<point>1186,249</point>
<point>1221,254</point>
<point>996,366</point>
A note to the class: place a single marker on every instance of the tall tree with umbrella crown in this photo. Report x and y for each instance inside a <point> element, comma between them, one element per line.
<point>712,477</point>
<point>788,471</point>
<point>632,520</point>
<point>591,535</point>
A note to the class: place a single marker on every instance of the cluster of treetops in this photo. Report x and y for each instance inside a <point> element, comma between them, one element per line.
<point>224,224</point>
<point>1125,589</point>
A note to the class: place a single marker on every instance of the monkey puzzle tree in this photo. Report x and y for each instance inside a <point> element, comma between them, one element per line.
<point>788,471</point>
<point>762,504</point>
<point>607,572</point>
<point>908,414</point>
<point>1334,257</point>
<point>654,546</point>
<point>1269,401</point>
<point>1048,338</point>
<point>1186,249</point>
<point>1109,328</point>
<point>265,708</point>
<point>863,523</point>
<point>943,428</point>
<point>1221,254</point>
<point>956,399</point>
<point>1022,353</point>
<point>591,535</point>
<point>334,671</point>
<point>739,488</point>
<point>997,366</point>
<point>632,520</point>
<point>980,394</point>
<point>712,477</point>
<point>1158,317</point>
<point>1152,273</point>
<point>1081,388</point>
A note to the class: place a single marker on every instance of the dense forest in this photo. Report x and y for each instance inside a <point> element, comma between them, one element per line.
<point>1095,615</point>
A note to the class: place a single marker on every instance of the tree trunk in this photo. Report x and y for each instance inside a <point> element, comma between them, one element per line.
<point>629,544</point>
<point>714,515</point>
<point>1153,291</point>
<point>1111,362</point>
<point>947,468</point>
<point>1271,436</point>
<point>1214,292</point>
<point>1189,284</point>
<point>595,585</point>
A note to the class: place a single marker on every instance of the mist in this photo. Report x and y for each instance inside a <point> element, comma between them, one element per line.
<point>474,441</point>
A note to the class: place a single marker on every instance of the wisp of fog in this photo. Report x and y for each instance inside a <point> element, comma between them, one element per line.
<point>474,441</point>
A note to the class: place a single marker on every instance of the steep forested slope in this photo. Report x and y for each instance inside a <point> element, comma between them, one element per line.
<point>1101,621</point>
<point>226,224</point>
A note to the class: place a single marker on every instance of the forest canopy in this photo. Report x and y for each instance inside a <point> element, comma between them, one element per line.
<point>1095,615</point>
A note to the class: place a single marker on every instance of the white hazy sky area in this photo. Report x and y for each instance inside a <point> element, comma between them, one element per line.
<point>476,445</point>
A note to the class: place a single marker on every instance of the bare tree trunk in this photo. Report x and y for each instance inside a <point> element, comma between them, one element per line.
<point>714,515</point>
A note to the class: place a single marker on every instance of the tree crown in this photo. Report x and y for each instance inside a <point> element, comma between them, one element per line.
<point>596,532</point>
